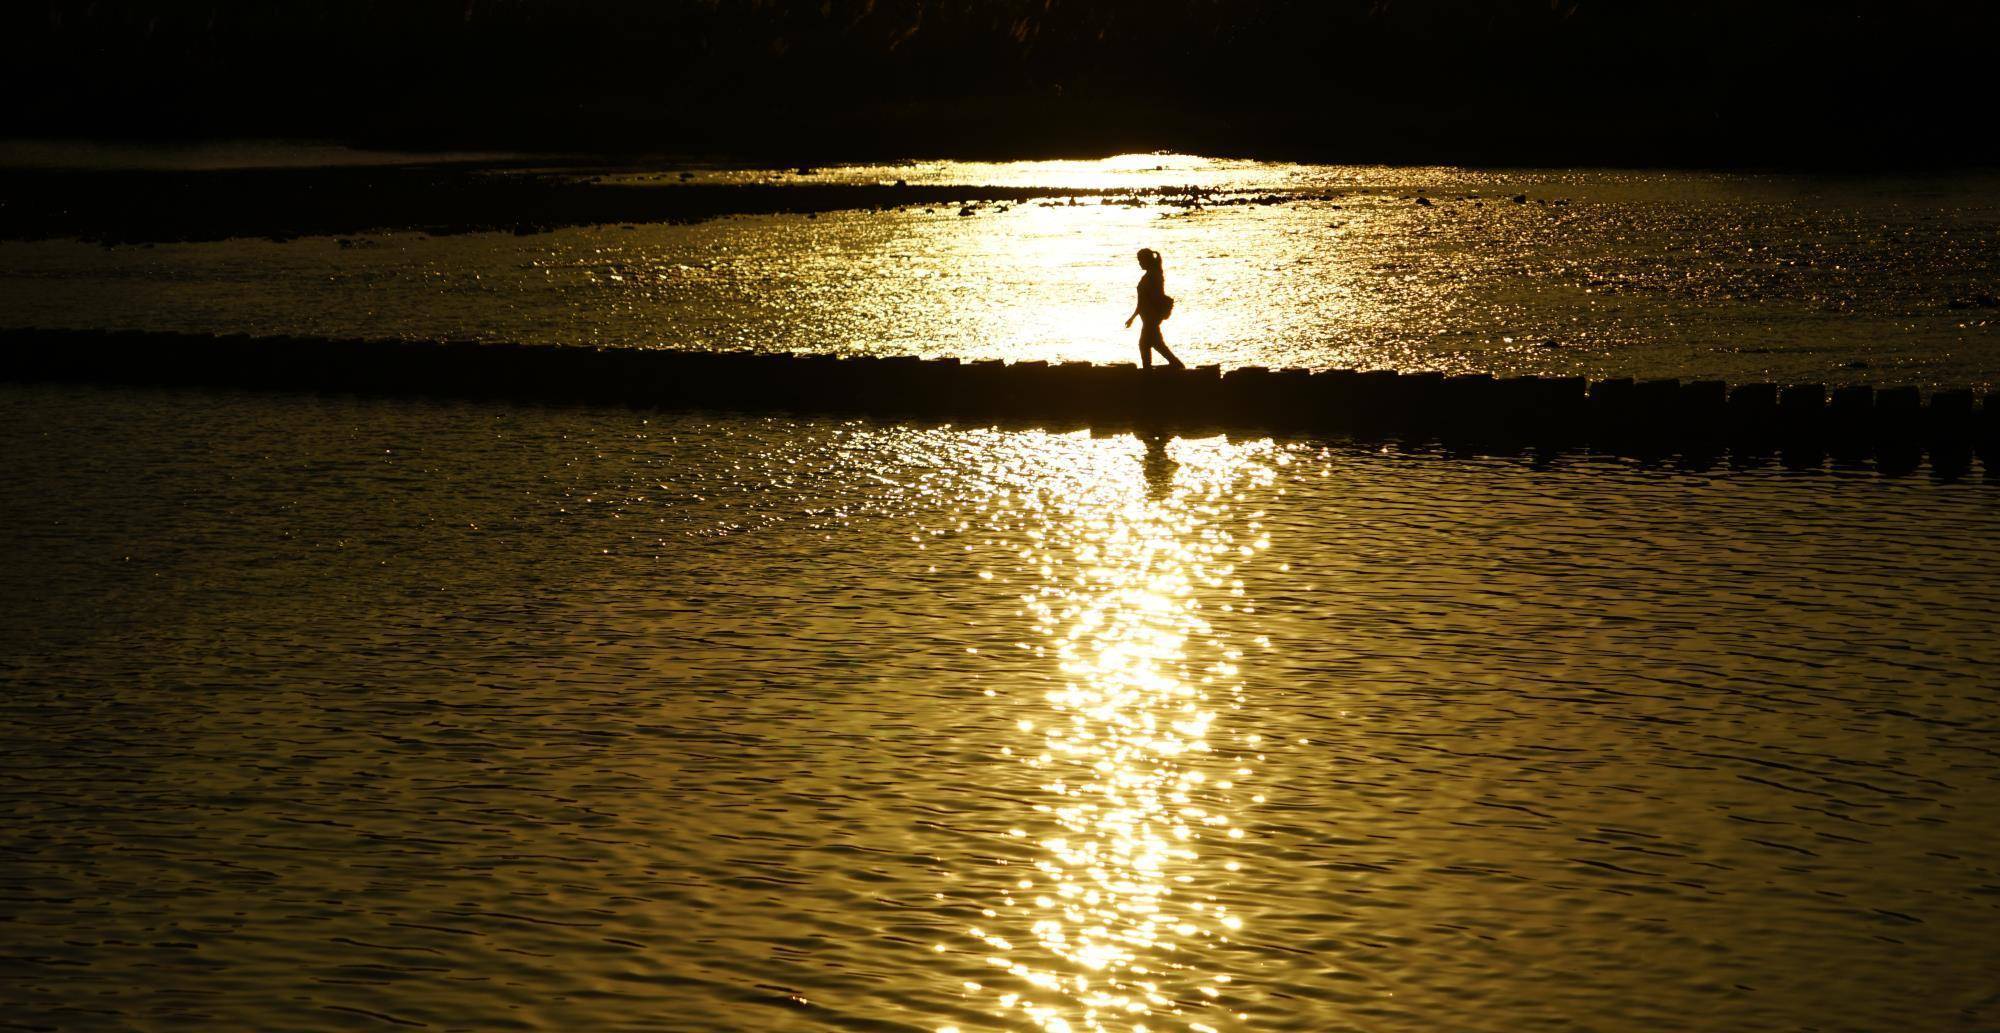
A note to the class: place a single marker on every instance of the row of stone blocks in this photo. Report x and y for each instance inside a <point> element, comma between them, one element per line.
<point>1478,407</point>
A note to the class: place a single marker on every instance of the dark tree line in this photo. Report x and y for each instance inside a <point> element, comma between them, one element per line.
<point>1698,81</point>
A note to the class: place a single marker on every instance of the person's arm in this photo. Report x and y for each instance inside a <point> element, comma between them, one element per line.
<point>1130,318</point>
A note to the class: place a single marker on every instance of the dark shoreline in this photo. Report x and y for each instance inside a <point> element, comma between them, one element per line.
<point>136,207</point>
<point>520,195</point>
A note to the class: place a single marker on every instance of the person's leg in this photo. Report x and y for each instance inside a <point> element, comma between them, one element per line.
<point>1151,341</point>
<point>1147,335</point>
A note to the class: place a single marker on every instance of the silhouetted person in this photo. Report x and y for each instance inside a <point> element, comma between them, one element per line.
<point>1154,306</point>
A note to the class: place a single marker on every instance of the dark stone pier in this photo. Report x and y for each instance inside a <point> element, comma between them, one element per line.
<point>1696,416</point>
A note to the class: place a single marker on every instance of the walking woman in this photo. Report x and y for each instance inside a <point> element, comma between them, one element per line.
<point>1153,308</point>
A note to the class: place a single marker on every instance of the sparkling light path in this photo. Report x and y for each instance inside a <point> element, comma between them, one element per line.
<point>1117,924</point>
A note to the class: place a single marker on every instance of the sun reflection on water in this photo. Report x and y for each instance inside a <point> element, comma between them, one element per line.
<point>1117,926</point>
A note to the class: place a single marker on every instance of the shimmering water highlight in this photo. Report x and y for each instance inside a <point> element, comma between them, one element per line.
<point>1741,277</point>
<point>330,713</point>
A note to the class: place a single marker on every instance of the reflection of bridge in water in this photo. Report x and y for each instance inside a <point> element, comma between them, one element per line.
<point>1697,417</point>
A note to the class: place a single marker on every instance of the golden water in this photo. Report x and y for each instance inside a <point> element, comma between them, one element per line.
<point>1745,277</point>
<point>335,714</point>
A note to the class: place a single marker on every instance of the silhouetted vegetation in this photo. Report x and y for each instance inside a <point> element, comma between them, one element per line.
<point>1542,80</point>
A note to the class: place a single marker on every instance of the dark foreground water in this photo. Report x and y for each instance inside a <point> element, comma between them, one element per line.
<point>338,714</point>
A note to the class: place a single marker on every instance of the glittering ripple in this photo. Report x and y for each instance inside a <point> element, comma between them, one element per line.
<point>1110,924</point>
<point>332,712</point>
<point>1592,272</point>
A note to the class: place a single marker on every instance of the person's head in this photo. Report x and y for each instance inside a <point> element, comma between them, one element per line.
<point>1149,259</point>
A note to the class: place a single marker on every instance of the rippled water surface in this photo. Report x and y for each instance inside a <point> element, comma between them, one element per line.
<point>1741,276</point>
<point>328,713</point>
